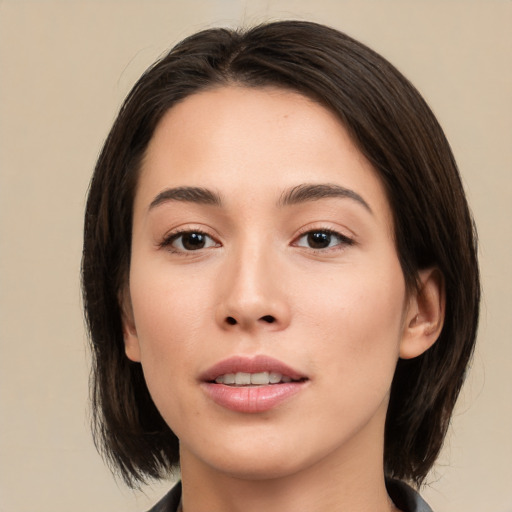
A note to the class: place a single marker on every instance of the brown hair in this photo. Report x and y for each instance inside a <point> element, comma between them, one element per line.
<point>396,131</point>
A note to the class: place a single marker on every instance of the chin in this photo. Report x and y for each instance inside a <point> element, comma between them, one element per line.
<point>245,460</point>
<point>268,469</point>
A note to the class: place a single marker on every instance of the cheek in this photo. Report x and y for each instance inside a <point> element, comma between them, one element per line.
<point>168,322</point>
<point>357,315</point>
<point>169,316</point>
<point>355,332</point>
<point>167,303</point>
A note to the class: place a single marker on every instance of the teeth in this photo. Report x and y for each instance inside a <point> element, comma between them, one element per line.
<point>229,379</point>
<point>274,377</point>
<point>242,379</point>
<point>255,379</point>
<point>259,378</point>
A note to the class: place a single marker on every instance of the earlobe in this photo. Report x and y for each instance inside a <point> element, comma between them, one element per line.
<point>131,340</point>
<point>425,315</point>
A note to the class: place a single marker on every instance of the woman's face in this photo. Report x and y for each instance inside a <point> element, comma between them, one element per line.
<point>263,253</point>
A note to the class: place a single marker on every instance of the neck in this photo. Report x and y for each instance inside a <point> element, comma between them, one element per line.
<point>285,495</point>
<point>342,480</point>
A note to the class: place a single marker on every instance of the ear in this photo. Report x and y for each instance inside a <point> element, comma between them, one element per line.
<point>131,340</point>
<point>425,314</point>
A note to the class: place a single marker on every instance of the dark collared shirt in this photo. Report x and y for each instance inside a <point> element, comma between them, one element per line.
<point>403,496</point>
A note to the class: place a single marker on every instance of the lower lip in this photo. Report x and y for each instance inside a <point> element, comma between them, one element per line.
<point>251,399</point>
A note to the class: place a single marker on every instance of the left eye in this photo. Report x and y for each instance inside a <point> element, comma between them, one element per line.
<point>322,239</point>
<point>191,241</point>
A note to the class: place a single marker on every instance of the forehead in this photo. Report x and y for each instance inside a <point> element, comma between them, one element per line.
<point>257,140</point>
<point>237,118</point>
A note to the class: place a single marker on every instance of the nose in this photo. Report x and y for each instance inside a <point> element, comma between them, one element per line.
<point>253,295</point>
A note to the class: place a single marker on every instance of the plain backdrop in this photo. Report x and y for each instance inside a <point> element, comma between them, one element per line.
<point>65,67</point>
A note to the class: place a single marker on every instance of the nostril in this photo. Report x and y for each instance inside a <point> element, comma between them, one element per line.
<point>268,318</point>
<point>230,320</point>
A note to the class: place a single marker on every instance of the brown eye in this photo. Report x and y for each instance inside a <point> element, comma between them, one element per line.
<point>191,241</point>
<point>322,239</point>
<point>319,239</point>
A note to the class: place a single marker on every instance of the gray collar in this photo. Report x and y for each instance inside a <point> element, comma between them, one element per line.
<point>403,496</point>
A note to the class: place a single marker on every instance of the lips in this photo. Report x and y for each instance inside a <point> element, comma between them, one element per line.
<point>251,384</point>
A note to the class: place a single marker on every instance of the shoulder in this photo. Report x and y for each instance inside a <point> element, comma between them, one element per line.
<point>170,502</point>
<point>405,497</point>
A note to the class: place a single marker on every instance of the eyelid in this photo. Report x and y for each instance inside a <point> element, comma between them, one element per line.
<point>174,234</point>
<point>345,240</point>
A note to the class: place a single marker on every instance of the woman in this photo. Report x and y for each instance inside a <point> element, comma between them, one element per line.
<point>280,277</point>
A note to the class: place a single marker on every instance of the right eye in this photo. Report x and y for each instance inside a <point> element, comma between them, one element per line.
<point>187,241</point>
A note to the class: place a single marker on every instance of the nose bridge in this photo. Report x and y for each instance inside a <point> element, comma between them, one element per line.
<point>252,292</point>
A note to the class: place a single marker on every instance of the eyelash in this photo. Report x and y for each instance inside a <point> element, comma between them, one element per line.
<point>168,241</point>
<point>343,240</point>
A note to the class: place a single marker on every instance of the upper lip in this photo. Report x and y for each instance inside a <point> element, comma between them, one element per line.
<point>254,364</point>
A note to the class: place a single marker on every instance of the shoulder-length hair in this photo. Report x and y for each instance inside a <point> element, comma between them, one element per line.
<point>391,125</point>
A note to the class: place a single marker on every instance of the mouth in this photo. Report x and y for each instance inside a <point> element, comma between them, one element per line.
<point>257,370</point>
<point>251,384</point>
<point>244,379</point>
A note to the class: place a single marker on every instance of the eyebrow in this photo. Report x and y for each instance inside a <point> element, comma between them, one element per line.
<point>187,194</point>
<point>296,195</point>
<point>314,192</point>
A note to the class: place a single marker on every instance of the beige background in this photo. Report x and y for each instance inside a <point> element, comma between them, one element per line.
<point>66,66</point>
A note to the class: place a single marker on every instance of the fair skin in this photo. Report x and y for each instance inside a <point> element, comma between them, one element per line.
<point>254,267</point>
